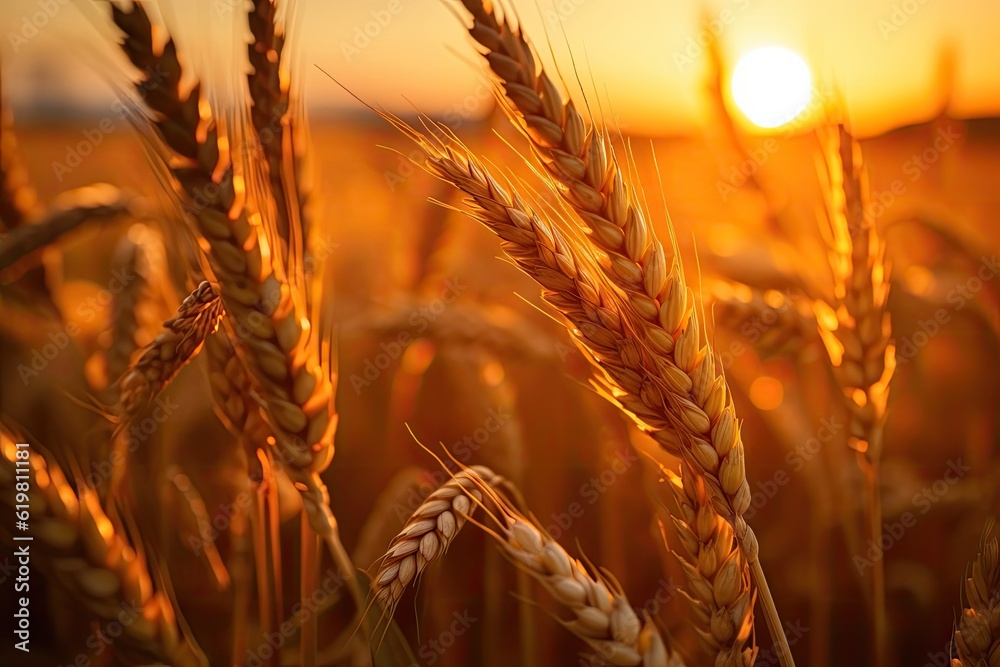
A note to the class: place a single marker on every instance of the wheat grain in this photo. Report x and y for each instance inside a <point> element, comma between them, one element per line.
<point>977,637</point>
<point>86,553</point>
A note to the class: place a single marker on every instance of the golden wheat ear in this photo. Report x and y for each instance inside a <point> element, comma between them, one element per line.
<point>857,331</point>
<point>89,555</point>
<point>977,636</point>
<point>662,374</point>
<point>287,356</point>
<point>692,402</point>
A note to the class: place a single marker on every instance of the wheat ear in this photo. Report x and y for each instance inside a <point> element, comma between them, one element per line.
<point>280,126</point>
<point>265,301</point>
<point>603,617</point>
<point>162,360</point>
<point>856,327</point>
<point>662,374</point>
<point>69,211</point>
<point>18,201</point>
<point>856,331</point>
<point>780,325</point>
<point>580,160</point>
<point>269,98</point>
<point>140,257</point>
<point>977,637</point>
<point>85,552</point>
<point>717,574</point>
<point>428,533</point>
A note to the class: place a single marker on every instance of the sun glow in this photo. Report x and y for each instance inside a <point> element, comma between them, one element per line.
<point>771,86</point>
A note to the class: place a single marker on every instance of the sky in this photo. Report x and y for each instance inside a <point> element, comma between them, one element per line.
<point>643,60</point>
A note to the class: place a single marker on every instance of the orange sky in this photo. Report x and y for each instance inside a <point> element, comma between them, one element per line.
<point>641,55</point>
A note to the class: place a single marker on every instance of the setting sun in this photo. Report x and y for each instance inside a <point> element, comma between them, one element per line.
<point>771,86</point>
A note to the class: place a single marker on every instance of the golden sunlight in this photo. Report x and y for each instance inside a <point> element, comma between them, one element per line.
<point>771,86</point>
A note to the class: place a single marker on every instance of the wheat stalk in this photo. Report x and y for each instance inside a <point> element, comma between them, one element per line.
<point>265,302</point>
<point>428,533</point>
<point>977,637</point>
<point>856,331</point>
<point>86,553</point>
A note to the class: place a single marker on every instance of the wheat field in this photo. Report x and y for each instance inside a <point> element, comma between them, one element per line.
<point>520,387</point>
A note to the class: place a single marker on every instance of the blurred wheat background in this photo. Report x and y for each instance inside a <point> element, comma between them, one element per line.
<point>438,338</point>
